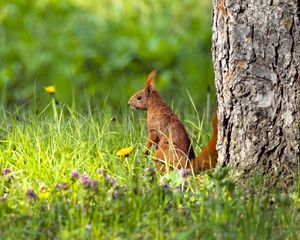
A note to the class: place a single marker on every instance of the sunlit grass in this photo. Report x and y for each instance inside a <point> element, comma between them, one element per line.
<point>62,179</point>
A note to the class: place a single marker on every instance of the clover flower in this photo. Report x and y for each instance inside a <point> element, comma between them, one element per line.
<point>124,152</point>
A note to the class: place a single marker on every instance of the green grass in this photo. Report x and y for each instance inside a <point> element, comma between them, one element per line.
<point>40,150</point>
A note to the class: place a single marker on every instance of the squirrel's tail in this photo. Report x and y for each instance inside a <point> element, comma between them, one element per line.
<point>208,156</point>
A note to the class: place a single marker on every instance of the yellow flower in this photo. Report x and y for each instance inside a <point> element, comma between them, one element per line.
<point>125,151</point>
<point>44,192</point>
<point>50,89</point>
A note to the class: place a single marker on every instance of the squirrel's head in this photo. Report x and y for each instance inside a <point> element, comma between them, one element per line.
<point>139,101</point>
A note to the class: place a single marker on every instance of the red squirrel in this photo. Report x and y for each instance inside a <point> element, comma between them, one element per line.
<point>173,145</point>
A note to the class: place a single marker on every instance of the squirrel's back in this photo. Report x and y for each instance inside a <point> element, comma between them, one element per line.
<point>162,118</point>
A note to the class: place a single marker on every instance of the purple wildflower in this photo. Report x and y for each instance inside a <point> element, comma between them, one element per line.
<point>113,181</point>
<point>6,171</point>
<point>31,194</point>
<point>74,175</point>
<point>86,182</point>
<point>185,173</point>
<point>107,178</point>
<point>110,180</point>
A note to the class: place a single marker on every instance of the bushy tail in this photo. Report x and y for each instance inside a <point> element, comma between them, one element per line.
<point>208,157</point>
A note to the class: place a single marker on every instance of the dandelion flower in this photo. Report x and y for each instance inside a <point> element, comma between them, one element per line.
<point>125,151</point>
<point>50,89</point>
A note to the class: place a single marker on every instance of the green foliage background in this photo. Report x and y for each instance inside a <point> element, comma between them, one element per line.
<point>104,48</point>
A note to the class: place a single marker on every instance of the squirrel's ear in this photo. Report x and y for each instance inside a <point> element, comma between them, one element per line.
<point>148,91</point>
<point>150,78</point>
<point>150,82</point>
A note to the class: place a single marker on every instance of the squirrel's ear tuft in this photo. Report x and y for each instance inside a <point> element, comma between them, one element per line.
<point>150,83</point>
<point>150,78</point>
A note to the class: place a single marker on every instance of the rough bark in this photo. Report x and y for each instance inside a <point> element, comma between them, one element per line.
<point>256,52</point>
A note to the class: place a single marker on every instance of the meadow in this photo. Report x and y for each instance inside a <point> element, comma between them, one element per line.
<point>63,176</point>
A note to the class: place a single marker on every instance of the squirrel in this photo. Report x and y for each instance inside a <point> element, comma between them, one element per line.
<point>174,149</point>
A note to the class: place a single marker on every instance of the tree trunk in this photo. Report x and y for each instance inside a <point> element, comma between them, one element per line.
<point>256,52</point>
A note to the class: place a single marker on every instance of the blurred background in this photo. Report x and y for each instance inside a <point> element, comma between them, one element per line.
<point>104,49</point>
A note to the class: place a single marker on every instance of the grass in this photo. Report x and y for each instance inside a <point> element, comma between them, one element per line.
<point>119,197</point>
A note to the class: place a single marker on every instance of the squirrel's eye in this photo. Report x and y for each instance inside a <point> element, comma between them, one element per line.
<point>139,97</point>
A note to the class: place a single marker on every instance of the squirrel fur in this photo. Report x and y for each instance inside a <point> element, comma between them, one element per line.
<point>173,145</point>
